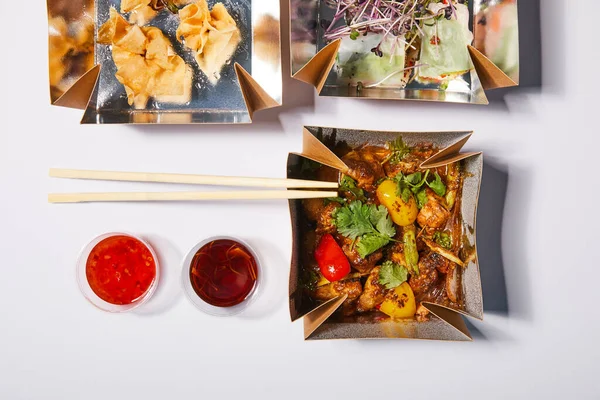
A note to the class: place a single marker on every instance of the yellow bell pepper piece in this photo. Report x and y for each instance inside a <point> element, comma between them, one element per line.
<point>402,213</point>
<point>400,302</point>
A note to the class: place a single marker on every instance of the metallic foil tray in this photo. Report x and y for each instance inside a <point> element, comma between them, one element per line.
<point>82,72</point>
<point>313,59</point>
<point>320,145</point>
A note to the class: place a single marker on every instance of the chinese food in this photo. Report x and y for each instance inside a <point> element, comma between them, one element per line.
<point>213,36</point>
<point>120,270</point>
<point>70,51</point>
<point>141,11</point>
<point>389,43</point>
<point>393,239</point>
<point>223,273</point>
<point>147,64</point>
<point>497,35</point>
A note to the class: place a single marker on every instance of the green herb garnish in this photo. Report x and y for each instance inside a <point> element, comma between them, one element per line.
<point>370,226</point>
<point>411,254</point>
<point>443,239</point>
<point>349,185</point>
<point>437,185</point>
<point>392,275</point>
<point>399,150</point>
<point>330,200</point>
<point>354,34</point>
<point>403,190</point>
<point>413,183</point>
<point>422,199</point>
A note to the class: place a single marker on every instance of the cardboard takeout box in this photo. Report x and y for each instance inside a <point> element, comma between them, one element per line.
<point>320,145</point>
<point>82,71</point>
<point>494,54</point>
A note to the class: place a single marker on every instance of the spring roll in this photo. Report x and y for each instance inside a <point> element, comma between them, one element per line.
<point>358,63</point>
<point>444,51</point>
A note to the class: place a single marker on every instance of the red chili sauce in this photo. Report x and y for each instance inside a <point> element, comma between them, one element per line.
<point>120,269</point>
<point>223,273</point>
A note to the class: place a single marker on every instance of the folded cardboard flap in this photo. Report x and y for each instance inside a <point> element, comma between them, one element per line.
<point>316,317</point>
<point>316,71</point>
<point>450,317</point>
<point>78,95</point>
<point>449,155</point>
<point>314,149</point>
<point>255,97</point>
<point>490,75</point>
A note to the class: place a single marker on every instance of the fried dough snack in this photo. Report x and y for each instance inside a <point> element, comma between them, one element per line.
<point>146,63</point>
<point>59,46</point>
<point>141,11</point>
<point>64,45</point>
<point>213,35</point>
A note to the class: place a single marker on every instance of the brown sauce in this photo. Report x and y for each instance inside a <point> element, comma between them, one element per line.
<point>223,273</point>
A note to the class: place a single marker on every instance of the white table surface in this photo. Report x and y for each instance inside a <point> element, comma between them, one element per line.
<point>540,200</point>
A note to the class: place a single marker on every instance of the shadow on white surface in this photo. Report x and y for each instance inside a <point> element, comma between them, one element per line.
<point>490,214</point>
<point>169,290</point>
<point>500,220</point>
<point>273,292</point>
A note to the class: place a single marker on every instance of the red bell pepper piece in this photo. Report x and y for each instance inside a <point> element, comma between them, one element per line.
<point>332,261</point>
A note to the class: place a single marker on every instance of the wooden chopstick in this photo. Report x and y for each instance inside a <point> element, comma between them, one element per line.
<point>191,179</point>
<point>187,196</point>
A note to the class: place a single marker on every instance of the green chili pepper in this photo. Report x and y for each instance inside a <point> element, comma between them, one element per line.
<point>411,254</point>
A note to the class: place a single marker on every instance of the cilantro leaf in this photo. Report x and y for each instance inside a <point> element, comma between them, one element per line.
<point>381,222</point>
<point>354,220</point>
<point>392,275</point>
<point>403,189</point>
<point>443,239</point>
<point>437,185</point>
<point>410,184</point>
<point>421,198</point>
<point>414,179</point>
<point>348,184</point>
<point>370,243</point>
<point>370,225</point>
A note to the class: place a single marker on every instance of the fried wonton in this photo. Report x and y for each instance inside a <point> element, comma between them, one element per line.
<point>142,11</point>
<point>130,5</point>
<point>146,63</point>
<point>213,35</point>
<point>142,16</point>
<point>60,44</point>
<point>68,49</point>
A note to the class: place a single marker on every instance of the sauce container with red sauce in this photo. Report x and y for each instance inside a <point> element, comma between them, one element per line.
<point>221,275</point>
<point>117,272</point>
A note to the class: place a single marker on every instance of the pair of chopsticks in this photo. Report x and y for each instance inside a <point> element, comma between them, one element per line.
<point>267,183</point>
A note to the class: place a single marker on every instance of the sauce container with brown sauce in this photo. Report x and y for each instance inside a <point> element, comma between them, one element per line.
<point>221,275</point>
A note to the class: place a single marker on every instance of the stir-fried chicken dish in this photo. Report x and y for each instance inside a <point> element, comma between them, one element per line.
<point>393,240</point>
